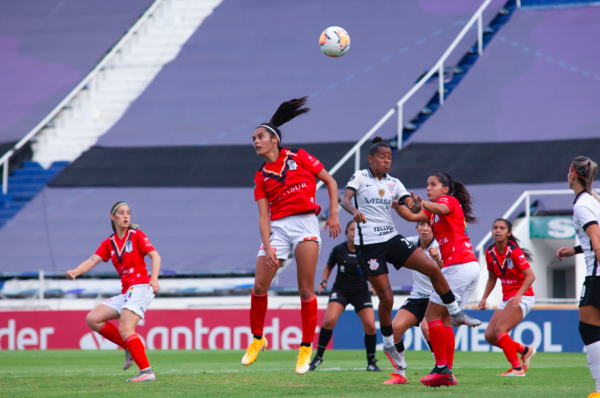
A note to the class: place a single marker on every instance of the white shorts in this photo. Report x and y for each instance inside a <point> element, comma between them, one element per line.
<point>287,232</point>
<point>463,280</point>
<point>526,304</point>
<point>136,299</point>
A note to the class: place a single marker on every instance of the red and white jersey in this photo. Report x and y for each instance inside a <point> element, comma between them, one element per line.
<point>128,256</point>
<point>289,183</point>
<point>508,267</point>
<point>450,231</point>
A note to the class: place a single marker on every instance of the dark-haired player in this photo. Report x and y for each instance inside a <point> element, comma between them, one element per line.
<point>449,210</point>
<point>284,188</point>
<point>509,263</point>
<point>586,215</point>
<point>369,197</point>
<point>350,287</point>
<point>127,248</point>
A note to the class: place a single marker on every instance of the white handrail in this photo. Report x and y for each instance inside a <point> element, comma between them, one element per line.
<point>133,30</point>
<point>526,195</point>
<point>439,67</point>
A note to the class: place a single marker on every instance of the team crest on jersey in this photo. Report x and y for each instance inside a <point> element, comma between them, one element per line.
<point>509,264</point>
<point>129,246</point>
<point>391,187</point>
<point>381,192</point>
<point>373,264</point>
<point>292,164</point>
<point>342,268</point>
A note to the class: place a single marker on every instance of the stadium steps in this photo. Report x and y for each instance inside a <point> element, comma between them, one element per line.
<point>99,105</point>
<point>453,75</point>
<point>23,185</point>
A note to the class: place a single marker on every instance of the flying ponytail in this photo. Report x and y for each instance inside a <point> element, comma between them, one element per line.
<point>287,111</point>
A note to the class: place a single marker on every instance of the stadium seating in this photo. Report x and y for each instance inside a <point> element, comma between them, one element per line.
<point>47,47</point>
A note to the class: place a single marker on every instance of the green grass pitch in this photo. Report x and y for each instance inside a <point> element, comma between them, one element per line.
<point>220,374</point>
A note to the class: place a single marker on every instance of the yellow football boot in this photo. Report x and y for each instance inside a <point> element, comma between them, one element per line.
<point>303,364</point>
<point>253,349</point>
<point>594,395</point>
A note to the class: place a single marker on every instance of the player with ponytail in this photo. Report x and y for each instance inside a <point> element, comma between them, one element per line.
<point>507,261</point>
<point>127,248</point>
<point>369,196</point>
<point>586,215</point>
<point>284,188</point>
<point>449,209</point>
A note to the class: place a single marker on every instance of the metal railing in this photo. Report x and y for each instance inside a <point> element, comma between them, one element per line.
<point>4,160</point>
<point>399,107</point>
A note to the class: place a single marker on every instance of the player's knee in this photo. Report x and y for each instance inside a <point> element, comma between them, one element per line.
<point>260,288</point>
<point>92,321</point>
<point>370,329</point>
<point>125,330</point>
<point>306,293</point>
<point>386,300</point>
<point>328,324</point>
<point>490,336</point>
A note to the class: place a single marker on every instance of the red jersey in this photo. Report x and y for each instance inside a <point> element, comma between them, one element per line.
<point>128,256</point>
<point>450,230</point>
<point>289,183</point>
<point>508,267</point>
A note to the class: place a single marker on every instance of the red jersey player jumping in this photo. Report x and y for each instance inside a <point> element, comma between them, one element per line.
<point>127,248</point>
<point>284,188</point>
<point>509,263</point>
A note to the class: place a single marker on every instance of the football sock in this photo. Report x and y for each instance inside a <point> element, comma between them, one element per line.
<point>258,310</point>
<point>401,372</point>
<point>449,345</point>
<point>137,351</point>
<point>400,346</point>
<point>308,312</point>
<point>437,334</point>
<point>111,333</point>
<point>590,334</point>
<point>510,350</point>
<point>450,302</point>
<point>324,337</point>
<point>371,346</point>
<point>521,349</point>
<point>387,332</point>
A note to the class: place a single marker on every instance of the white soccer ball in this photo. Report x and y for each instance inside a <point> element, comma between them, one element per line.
<point>334,42</point>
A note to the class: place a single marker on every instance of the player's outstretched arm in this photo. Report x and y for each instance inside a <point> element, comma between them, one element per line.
<point>347,205</point>
<point>84,267</point>
<point>408,215</point>
<point>155,257</point>
<point>332,221</point>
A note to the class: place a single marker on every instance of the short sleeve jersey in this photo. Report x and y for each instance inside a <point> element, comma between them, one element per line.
<point>289,183</point>
<point>349,276</point>
<point>450,230</point>
<point>374,197</point>
<point>127,255</point>
<point>508,267</point>
<point>586,212</point>
<point>422,287</point>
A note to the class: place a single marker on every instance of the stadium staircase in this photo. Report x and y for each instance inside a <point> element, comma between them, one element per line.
<point>94,106</point>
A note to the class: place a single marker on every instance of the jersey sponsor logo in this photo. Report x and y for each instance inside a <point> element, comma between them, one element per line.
<point>381,192</point>
<point>292,164</point>
<point>373,264</point>
<point>295,188</point>
<point>378,201</point>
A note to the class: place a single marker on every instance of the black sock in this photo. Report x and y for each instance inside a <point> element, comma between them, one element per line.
<point>386,330</point>
<point>370,345</point>
<point>400,346</point>
<point>525,351</point>
<point>258,336</point>
<point>430,346</point>
<point>303,344</point>
<point>324,337</point>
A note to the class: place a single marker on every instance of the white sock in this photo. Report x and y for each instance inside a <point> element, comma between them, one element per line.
<point>400,372</point>
<point>453,308</point>
<point>593,357</point>
<point>388,341</point>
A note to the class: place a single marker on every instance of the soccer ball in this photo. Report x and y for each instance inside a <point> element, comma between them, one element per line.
<point>334,42</point>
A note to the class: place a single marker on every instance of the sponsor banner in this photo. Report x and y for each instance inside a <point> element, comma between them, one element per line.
<point>546,330</point>
<point>552,228</point>
<point>160,330</point>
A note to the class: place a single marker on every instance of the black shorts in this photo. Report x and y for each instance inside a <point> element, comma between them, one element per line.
<point>590,293</point>
<point>373,258</point>
<point>360,299</point>
<point>417,307</point>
